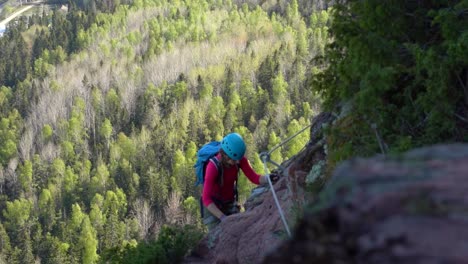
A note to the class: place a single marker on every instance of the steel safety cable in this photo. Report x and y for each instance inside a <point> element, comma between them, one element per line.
<point>265,156</point>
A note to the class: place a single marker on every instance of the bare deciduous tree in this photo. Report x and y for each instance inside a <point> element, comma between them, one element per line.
<point>173,210</point>
<point>146,218</point>
<point>49,152</point>
<point>11,170</point>
<point>25,145</point>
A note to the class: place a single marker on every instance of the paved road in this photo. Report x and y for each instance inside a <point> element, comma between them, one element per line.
<point>17,13</point>
<point>14,15</point>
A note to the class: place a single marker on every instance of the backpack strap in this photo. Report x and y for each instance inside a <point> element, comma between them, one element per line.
<point>236,192</point>
<point>219,169</point>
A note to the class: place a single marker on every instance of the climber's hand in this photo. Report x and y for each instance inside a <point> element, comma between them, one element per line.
<point>274,177</point>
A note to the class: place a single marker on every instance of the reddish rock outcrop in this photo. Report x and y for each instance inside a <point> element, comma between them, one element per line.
<point>246,237</point>
<point>407,209</point>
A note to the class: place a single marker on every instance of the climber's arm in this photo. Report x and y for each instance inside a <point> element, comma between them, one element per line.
<point>214,210</point>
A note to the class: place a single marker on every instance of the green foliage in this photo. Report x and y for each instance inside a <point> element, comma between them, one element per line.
<point>155,186</point>
<point>16,214</point>
<point>52,250</point>
<point>68,150</point>
<point>5,246</point>
<point>114,208</point>
<point>47,132</point>
<point>115,202</point>
<point>95,215</point>
<point>5,97</point>
<point>9,130</point>
<point>25,177</point>
<point>172,245</point>
<point>88,242</point>
<point>99,181</point>
<point>106,129</point>
<point>292,12</point>
<point>401,65</point>
<point>273,142</point>
<point>14,59</point>
<point>192,206</point>
<point>182,172</point>
<point>46,209</point>
<point>124,148</point>
<point>70,188</point>
<point>299,140</point>
<point>77,217</point>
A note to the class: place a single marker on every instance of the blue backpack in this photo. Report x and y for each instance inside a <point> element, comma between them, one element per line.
<point>206,153</point>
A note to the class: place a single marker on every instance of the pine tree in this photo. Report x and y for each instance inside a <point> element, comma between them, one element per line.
<point>5,246</point>
<point>88,242</point>
<point>46,210</point>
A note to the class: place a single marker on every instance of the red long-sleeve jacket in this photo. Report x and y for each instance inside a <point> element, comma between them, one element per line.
<point>225,193</point>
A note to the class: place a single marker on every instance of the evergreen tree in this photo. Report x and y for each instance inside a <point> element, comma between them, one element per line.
<point>97,218</point>
<point>25,251</point>
<point>17,216</point>
<point>46,210</point>
<point>106,132</point>
<point>88,242</point>
<point>268,70</point>
<point>25,177</point>
<point>100,181</point>
<point>400,65</point>
<point>5,246</point>
<point>9,130</point>
<point>52,250</point>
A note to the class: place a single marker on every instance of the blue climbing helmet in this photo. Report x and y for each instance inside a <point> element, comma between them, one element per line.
<point>234,146</point>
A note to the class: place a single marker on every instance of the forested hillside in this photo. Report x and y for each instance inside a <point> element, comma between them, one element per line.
<point>103,108</point>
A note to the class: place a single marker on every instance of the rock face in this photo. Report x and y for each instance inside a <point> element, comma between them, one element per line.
<point>246,237</point>
<point>407,209</point>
